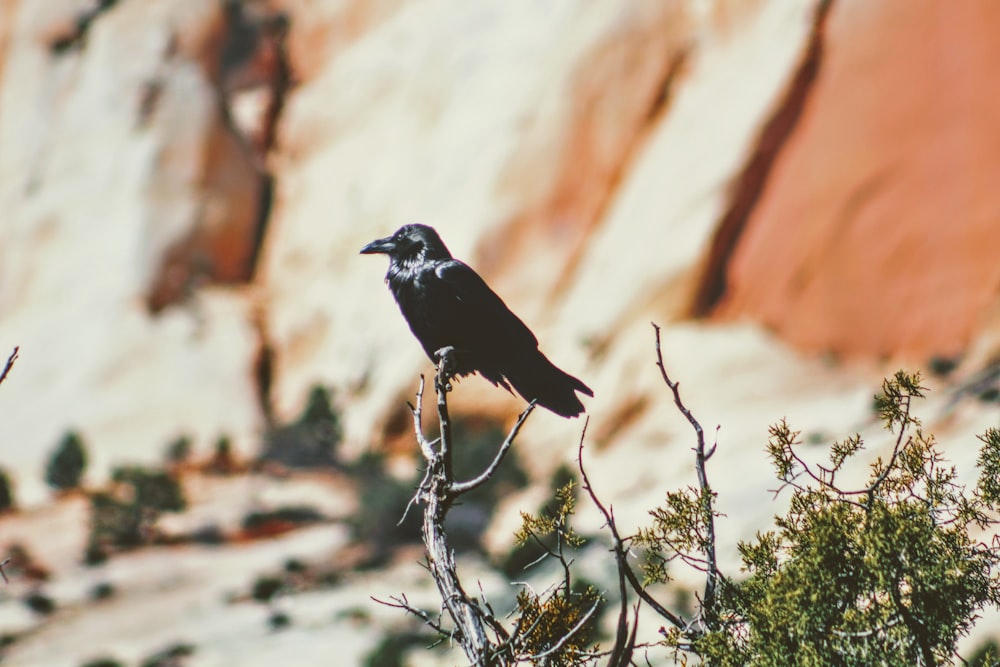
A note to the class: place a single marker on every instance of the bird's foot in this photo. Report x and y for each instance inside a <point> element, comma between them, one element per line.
<point>447,365</point>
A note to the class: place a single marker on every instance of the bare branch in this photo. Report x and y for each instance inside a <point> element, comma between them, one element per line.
<point>622,653</point>
<point>699,464</point>
<point>404,604</point>
<point>618,545</point>
<point>437,494</point>
<point>9,365</point>
<point>566,637</point>
<point>459,488</point>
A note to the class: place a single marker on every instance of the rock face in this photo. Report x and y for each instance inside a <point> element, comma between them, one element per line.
<point>876,232</point>
<point>112,156</point>
<point>198,205</point>
<point>185,186</point>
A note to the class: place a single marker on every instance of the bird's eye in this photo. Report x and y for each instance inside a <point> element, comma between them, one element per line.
<point>408,245</point>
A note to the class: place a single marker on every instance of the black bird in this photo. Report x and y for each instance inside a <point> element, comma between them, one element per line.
<point>453,312</point>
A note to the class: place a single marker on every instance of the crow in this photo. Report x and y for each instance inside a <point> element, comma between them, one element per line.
<point>454,314</point>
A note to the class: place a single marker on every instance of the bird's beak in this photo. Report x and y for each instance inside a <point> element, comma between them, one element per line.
<point>383,246</point>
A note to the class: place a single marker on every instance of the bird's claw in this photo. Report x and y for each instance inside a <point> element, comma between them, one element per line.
<point>446,367</point>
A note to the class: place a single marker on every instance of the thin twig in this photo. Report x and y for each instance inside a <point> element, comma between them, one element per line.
<point>444,421</point>
<point>9,365</point>
<point>566,637</point>
<point>404,604</point>
<point>459,488</point>
<point>699,464</point>
<point>619,547</point>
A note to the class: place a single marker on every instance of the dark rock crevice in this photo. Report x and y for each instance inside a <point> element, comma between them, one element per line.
<point>650,118</point>
<point>750,184</point>
<point>76,38</point>
<point>247,56</point>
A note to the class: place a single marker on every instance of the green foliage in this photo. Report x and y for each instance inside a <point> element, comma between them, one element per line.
<point>171,656</point>
<point>392,649</point>
<point>124,516</point>
<point>545,533</point>
<point>679,530</point>
<point>67,464</point>
<point>40,603</point>
<point>6,491</point>
<point>887,574</point>
<point>561,627</point>
<point>179,450</point>
<point>554,521</point>
<point>384,498</point>
<point>987,655</point>
<point>265,588</point>
<point>151,489</point>
<point>309,441</point>
<point>381,505</point>
<point>989,467</point>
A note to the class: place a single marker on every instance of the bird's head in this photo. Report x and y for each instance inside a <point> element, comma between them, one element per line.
<point>410,244</point>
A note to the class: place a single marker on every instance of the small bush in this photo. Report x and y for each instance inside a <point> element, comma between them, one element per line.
<point>265,588</point>
<point>222,462</point>
<point>102,591</point>
<point>279,620</point>
<point>179,451</point>
<point>125,516</point>
<point>152,489</point>
<point>103,662</point>
<point>391,651</point>
<point>172,656</point>
<point>381,505</point>
<point>6,492</point>
<point>40,603</point>
<point>67,464</point>
<point>309,441</point>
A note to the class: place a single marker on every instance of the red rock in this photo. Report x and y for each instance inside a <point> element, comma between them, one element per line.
<point>878,229</point>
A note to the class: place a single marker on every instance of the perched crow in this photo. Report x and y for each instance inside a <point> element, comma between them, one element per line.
<point>453,312</point>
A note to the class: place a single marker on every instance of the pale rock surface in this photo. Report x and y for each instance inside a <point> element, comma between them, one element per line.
<point>579,153</point>
<point>92,198</point>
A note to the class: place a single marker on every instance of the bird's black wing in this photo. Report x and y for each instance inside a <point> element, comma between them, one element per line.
<point>483,314</point>
<point>449,304</point>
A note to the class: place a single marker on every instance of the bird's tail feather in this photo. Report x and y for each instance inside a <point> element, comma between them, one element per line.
<point>541,381</point>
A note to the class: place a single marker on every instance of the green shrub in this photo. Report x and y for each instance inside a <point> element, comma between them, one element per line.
<point>6,491</point>
<point>67,464</point>
<point>309,441</point>
<point>124,517</point>
<point>889,573</point>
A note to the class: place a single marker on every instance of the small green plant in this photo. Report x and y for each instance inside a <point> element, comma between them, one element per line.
<point>179,450</point>
<point>103,662</point>
<point>171,656</point>
<point>393,647</point>
<point>265,588</point>
<point>379,521</point>
<point>151,489</point>
<point>6,492</point>
<point>309,441</point>
<point>67,464</point>
<point>125,515</point>
<point>40,603</point>
<point>562,623</point>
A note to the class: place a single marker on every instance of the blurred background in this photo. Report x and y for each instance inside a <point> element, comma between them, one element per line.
<point>205,441</point>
